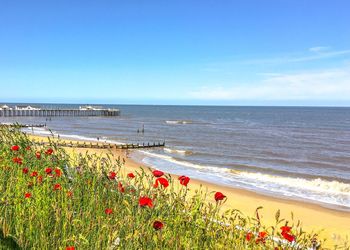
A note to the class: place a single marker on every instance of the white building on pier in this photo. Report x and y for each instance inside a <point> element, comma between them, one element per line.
<point>22,110</point>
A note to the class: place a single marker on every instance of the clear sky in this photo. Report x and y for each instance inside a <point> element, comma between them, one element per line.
<point>276,52</point>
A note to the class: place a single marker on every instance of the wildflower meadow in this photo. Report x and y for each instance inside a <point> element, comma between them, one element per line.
<point>50,199</point>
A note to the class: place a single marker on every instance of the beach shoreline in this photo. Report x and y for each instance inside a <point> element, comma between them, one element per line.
<point>314,217</point>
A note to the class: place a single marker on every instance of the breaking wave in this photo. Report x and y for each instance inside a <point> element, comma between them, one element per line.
<point>316,190</point>
<point>178,151</point>
<point>179,122</point>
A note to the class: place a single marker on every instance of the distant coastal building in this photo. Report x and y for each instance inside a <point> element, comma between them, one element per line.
<point>90,107</point>
<point>27,110</point>
<point>4,107</point>
<point>23,107</point>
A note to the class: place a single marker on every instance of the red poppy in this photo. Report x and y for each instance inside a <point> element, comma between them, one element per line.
<point>28,148</point>
<point>49,151</point>
<point>108,211</point>
<point>288,236</point>
<point>184,180</point>
<point>69,193</point>
<point>48,170</point>
<point>34,174</point>
<point>120,187</point>
<point>27,195</point>
<point>38,155</point>
<point>162,181</point>
<point>70,248</point>
<point>219,196</point>
<point>261,237</point>
<point>158,173</point>
<point>262,234</point>
<point>249,236</point>
<point>25,170</point>
<point>58,172</point>
<point>131,175</point>
<point>286,229</point>
<point>145,201</point>
<point>15,148</point>
<point>40,179</point>
<point>57,187</point>
<point>112,175</point>
<point>17,160</point>
<point>157,225</point>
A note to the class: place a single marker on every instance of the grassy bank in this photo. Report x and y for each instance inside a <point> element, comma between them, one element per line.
<point>52,200</point>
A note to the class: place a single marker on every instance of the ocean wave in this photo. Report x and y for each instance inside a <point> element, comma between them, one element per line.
<point>180,162</point>
<point>39,131</point>
<point>285,171</point>
<point>179,122</point>
<point>317,185</point>
<point>317,190</point>
<point>178,151</point>
<point>47,132</point>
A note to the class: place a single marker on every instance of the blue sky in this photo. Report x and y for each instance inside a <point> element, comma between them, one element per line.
<point>176,52</point>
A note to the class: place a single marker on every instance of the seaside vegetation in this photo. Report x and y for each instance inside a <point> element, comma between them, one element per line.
<point>50,199</point>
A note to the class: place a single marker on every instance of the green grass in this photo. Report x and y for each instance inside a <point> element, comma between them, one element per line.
<point>54,219</point>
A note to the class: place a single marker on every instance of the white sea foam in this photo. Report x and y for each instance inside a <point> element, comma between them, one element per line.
<point>178,122</point>
<point>84,138</point>
<point>316,185</point>
<point>316,190</point>
<point>177,151</point>
<point>39,131</point>
<point>183,163</point>
<point>46,132</point>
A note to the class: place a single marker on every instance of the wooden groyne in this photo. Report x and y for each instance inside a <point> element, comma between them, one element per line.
<point>96,145</point>
<point>143,145</point>
<point>58,112</point>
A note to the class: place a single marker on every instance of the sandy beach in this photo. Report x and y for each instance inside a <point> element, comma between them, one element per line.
<point>334,223</point>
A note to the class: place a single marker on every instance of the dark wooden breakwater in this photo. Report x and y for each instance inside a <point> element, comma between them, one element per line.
<point>143,145</point>
<point>96,145</point>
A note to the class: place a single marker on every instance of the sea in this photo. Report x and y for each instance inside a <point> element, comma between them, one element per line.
<point>299,153</point>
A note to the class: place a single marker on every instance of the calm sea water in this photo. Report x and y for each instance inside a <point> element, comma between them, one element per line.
<point>291,152</point>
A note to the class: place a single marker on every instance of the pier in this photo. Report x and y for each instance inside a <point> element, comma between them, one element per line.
<point>6,111</point>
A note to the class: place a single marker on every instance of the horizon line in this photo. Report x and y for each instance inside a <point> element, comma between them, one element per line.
<point>196,105</point>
